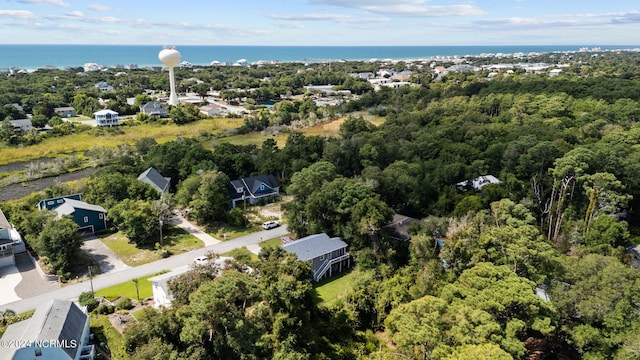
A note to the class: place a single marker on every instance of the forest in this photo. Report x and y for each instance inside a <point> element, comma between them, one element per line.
<point>533,267</point>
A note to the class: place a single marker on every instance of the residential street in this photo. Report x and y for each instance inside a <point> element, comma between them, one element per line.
<point>71,292</point>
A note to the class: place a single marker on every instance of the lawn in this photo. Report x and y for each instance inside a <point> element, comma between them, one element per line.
<point>128,289</point>
<point>334,288</point>
<point>276,241</point>
<point>176,240</point>
<point>105,333</point>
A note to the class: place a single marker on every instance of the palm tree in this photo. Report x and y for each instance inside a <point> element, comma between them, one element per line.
<point>5,315</point>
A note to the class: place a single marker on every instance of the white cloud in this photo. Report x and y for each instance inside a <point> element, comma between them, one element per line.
<point>408,8</point>
<point>76,13</point>
<point>17,14</point>
<point>337,18</point>
<point>98,7</point>
<point>45,2</point>
<point>558,21</point>
<point>289,25</point>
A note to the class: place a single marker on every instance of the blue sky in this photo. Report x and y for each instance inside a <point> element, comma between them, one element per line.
<point>321,22</point>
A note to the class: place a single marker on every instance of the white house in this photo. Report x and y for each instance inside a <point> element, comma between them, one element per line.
<point>159,284</point>
<point>106,117</point>
<point>478,183</point>
<point>58,330</point>
<point>10,242</point>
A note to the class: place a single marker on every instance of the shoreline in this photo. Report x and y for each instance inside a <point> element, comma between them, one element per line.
<point>145,56</point>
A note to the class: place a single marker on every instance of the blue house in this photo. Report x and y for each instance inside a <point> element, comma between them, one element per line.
<point>88,217</point>
<point>253,189</point>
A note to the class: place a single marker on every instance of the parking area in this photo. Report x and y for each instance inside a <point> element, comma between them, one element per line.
<point>32,283</point>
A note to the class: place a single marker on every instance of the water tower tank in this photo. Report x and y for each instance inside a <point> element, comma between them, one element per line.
<point>169,56</point>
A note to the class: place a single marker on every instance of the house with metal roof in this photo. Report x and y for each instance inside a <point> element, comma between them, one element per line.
<point>253,189</point>
<point>152,177</point>
<point>88,217</point>
<point>58,330</point>
<point>326,255</point>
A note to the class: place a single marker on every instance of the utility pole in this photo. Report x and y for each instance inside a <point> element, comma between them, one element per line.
<point>161,240</point>
<point>91,281</point>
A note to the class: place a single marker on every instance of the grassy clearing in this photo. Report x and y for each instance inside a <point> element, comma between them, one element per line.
<point>85,141</point>
<point>334,288</point>
<point>176,240</point>
<point>224,233</point>
<point>128,289</point>
<point>107,334</point>
<point>241,253</point>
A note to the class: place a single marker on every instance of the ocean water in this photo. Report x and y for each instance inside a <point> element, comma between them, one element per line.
<point>61,56</point>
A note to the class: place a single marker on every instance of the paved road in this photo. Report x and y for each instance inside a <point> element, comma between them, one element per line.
<point>71,292</point>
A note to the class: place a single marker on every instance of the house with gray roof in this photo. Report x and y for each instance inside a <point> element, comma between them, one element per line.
<point>21,126</point>
<point>155,109</point>
<point>58,330</point>
<point>152,177</point>
<point>326,255</point>
<point>88,217</point>
<point>65,111</point>
<point>253,189</point>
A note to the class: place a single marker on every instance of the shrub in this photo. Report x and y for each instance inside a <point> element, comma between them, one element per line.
<point>105,309</point>
<point>124,304</point>
<point>87,299</point>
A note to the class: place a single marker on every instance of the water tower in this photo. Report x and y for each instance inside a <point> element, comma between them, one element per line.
<point>170,57</point>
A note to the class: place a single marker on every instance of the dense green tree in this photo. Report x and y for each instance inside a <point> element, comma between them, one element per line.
<point>60,241</point>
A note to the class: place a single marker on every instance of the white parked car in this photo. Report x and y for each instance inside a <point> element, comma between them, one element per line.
<point>270,225</point>
<point>201,260</point>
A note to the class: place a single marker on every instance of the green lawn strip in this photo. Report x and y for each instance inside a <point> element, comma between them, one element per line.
<point>175,240</point>
<point>276,241</point>
<point>332,289</point>
<point>128,289</point>
<point>107,334</point>
<point>223,233</point>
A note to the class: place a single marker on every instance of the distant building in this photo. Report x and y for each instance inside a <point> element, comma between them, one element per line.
<point>58,330</point>
<point>103,86</point>
<point>253,189</point>
<point>326,89</point>
<point>21,126</point>
<point>325,255</point>
<point>65,112</point>
<point>554,72</point>
<point>478,183</point>
<point>155,109</point>
<point>106,118</point>
<point>213,110</point>
<point>152,177</point>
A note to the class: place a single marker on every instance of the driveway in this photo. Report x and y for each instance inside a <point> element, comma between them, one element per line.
<point>179,221</point>
<point>32,283</point>
<point>108,261</point>
<point>9,278</point>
